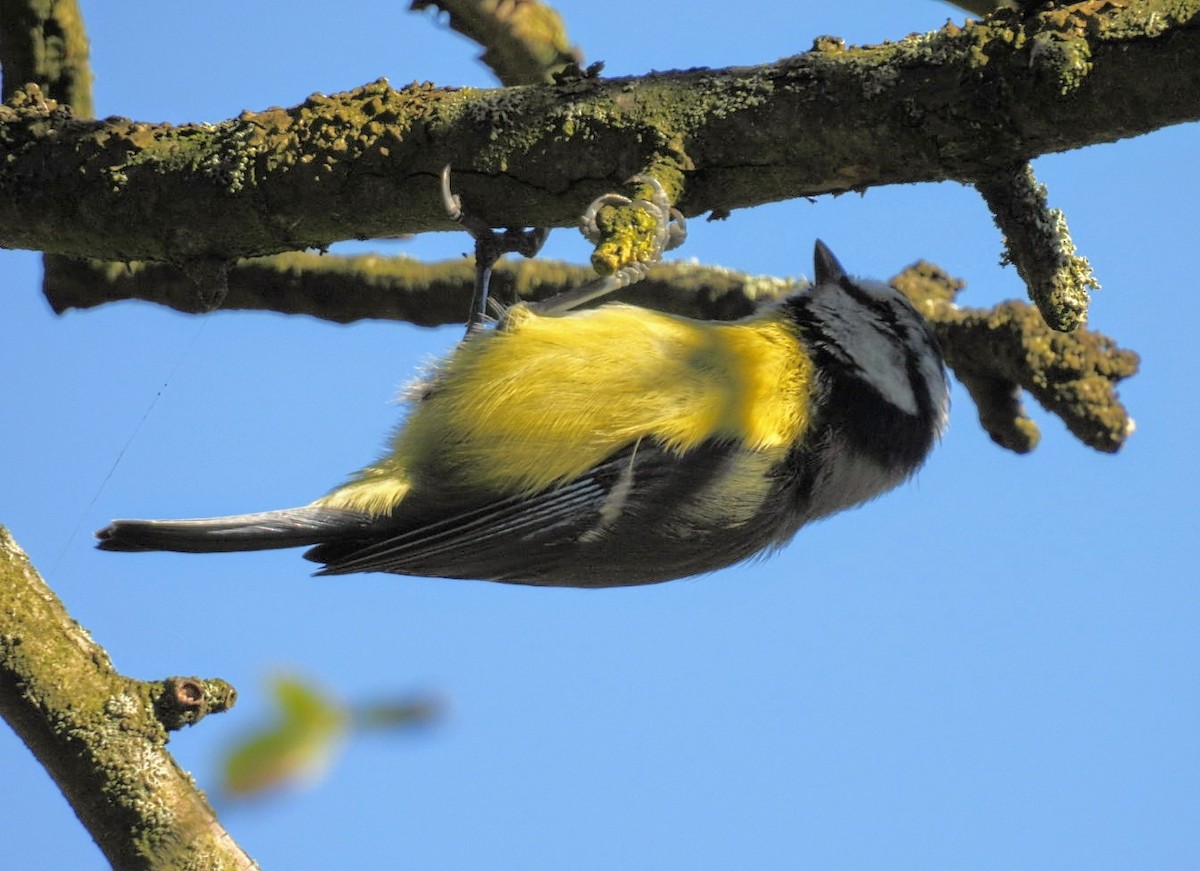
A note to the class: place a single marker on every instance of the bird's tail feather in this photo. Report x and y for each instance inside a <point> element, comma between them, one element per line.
<point>291,527</point>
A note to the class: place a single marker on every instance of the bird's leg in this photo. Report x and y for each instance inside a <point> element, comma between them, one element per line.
<point>642,249</point>
<point>490,246</point>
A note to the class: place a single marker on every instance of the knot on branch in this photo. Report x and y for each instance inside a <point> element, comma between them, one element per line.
<point>184,701</point>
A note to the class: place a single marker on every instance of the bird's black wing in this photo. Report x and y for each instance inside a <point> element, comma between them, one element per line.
<point>632,519</point>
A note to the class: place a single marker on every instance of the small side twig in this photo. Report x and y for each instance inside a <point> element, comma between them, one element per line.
<point>1039,245</point>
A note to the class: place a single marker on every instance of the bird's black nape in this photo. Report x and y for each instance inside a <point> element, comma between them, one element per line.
<point>825,266</point>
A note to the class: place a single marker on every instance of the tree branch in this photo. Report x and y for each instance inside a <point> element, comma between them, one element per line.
<point>1038,244</point>
<point>998,352</point>
<point>524,41</point>
<point>994,352</point>
<point>364,163</point>
<point>344,289</point>
<point>102,736</point>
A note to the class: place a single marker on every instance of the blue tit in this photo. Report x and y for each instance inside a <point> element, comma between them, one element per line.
<point>619,445</point>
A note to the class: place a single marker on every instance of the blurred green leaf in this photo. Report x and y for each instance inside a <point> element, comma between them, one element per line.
<point>308,729</point>
<point>299,745</point>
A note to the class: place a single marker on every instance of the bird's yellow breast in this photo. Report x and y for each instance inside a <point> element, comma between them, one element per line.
<point>545,398</point>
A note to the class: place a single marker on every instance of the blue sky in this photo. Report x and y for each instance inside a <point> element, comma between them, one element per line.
<point>997,666</point>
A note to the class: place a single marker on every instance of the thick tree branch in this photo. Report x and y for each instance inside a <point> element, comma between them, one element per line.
<point>957,104</point>
<point>102,736</point>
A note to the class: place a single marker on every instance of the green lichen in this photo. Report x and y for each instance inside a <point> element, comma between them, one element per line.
<point>626,236</point>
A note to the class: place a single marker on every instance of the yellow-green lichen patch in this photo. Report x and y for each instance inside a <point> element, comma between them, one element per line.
<point>627,236</point>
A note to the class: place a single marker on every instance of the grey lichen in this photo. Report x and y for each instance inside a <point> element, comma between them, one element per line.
<point>1038,243</point>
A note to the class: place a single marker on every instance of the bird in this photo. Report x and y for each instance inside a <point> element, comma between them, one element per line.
<point>619,445</point>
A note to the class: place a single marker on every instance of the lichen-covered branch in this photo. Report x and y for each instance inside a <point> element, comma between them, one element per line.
<point>1039,245</point>
<point>102,736</point>
<point>996,353</point>
<point>999,351</point>
<point>344,289</point>
<point>961,103</point>
<point>524,41</point>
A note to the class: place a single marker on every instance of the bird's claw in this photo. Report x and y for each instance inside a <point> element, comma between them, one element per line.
<point>670,225</point>
<point>490,246</point>
<point>670,230</point>
<point>451,201</point>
